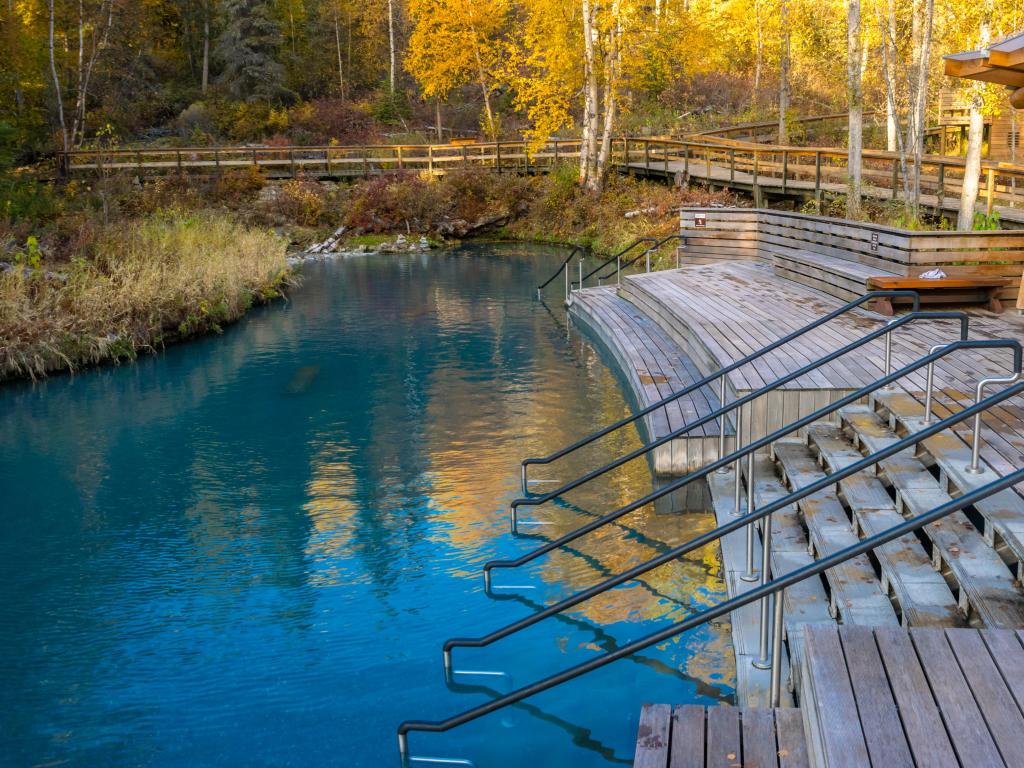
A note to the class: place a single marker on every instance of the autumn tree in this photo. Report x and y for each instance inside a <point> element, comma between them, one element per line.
<point>455,42</point>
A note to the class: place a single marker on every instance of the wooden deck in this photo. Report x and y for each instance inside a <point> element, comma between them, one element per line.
<point>931,697</point>
<point>873,698</point>
<point>653,367</point>
<point>692,736</point>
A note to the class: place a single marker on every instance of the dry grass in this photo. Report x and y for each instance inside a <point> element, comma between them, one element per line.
<point>150,281</point>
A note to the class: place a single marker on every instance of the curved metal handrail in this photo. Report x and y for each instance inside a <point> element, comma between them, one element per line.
<point>706,538</point>
<point>619,267</point>
<point>618,255</point>
<point>761,592</point>
<point>562,266</point>
<point>720,413</point>
<point>720,373</point>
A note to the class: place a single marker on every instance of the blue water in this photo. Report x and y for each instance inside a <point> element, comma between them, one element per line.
<point>249,549</point>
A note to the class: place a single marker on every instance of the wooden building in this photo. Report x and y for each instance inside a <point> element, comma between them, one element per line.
<point>1002,63</point>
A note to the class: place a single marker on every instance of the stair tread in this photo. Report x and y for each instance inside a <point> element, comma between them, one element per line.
<point>922,593</point>
<point>982,575</point>
<point>1004,510</point>
<point>856,593</point>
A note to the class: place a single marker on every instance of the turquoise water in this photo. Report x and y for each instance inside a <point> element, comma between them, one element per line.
<point>249,549</point>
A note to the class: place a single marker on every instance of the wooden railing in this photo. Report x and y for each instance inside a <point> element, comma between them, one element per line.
<point>793,171</point>
<point>324,160</point>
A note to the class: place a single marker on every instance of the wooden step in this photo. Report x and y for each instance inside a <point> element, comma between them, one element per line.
<point>987,587</point>
<point>653,367</point>
<point>923,596</point>
<point>1003,512</point>
<point>692,736</point>
<point>856,596</point>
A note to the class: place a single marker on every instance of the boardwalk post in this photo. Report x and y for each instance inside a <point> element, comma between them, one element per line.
<point>138,161</point>
<point>686,163</point>
<point>216,158</point>
<point>526,158</point>
<point>785,169</point>
<point>555,161</point>
<point>497,155</point>
<point>895,177</point>
<point>291,161</point>
<point>647,156</point>
<point>179,160</point>
<point>989,191</point>
<point>664,158</point>
<point>254,161</point>
<point>817,180</point>
<point>940,192</point>
<point>327,158</point>
<point>757,187</point>
<point>401,164</point>
<point>732,165</point>
<point>707,163</point>
<point>366,162</point>
<point>430,159</point>
<point>465,157</point>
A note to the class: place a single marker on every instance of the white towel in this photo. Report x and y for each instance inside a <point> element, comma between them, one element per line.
<point>933,274</point>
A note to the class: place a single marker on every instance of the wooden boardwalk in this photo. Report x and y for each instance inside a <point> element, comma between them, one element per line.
<point>691,736</point>
<point>653,367</point>
<point>888,698</point>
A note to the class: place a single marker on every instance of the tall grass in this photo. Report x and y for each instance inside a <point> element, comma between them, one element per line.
<point>149,281</point>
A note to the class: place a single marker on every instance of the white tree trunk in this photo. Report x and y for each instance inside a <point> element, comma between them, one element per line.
<point>855,99</point>
<point>610,102</point>
<point>784,64</point>
<point>975,135</point>
<point>56,82</point>
<point>588,147</point>
<point>392,55</point>
<point>337,48</point>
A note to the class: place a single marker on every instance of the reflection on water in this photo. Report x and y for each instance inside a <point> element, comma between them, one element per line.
<point>250,549</point>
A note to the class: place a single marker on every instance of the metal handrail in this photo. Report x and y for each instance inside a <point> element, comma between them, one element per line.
<point>619,267</point>
<point>563,265</point>
<point>618,255</point>
<point>754,515</point>
<point>720,413</point>
<point>720,373</point>
<point>762,592</point>
<point>749,450</point>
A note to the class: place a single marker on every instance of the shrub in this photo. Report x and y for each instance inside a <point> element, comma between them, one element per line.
<point>153,278</point>
<point>303,201</point>
<point>238,186</point>
<point>327,120</point>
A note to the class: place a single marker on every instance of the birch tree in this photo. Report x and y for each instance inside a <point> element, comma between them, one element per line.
<point>975,133</point>
<point>92,23</point>
<point>784,68</point>
<point>855,100</point>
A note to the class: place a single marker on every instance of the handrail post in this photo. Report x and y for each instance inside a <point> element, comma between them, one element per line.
<point>776,676</point>
<point>647,259</point>
<point>580,285</point>
<point>888,358</point>
<point>618,269</point>
<point>567,281</point>
<point>765,661</point>
<point>721,423</point>
<point>785,169</point>
<point>751,574</point>
<point>738,480</point>
<point>929,384</point>
<point>975,466</point>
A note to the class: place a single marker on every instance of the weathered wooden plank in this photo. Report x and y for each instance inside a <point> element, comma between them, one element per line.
<point>688,724</point>
<point>830,693</point>
<point>997,705</point>
<point>789,735</point>
<point>759,748</point>
<point>723,737</point>
<point>879,717</point>
<point>964,722</point>
<point>1006,650</point>
<point>922,722</point>
<point>652,738</point>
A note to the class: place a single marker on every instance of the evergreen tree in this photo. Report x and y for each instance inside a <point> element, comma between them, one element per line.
<point>247,51</point>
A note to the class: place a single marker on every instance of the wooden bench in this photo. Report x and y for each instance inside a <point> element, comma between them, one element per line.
<point>958,290</point>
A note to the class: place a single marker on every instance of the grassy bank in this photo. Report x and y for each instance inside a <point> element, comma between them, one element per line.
<point>145,282</point>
